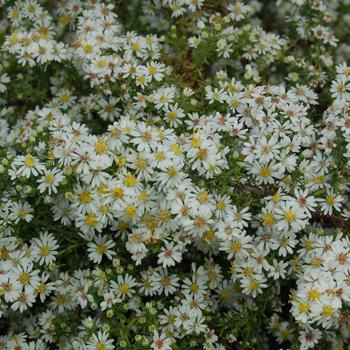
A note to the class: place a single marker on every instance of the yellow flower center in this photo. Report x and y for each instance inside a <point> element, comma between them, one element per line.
<point>41,288</point>
<point>172,172</point>
<point>85,197</point>
<point>269,219</point>
<point>303,307</point>
<point>143,196</point>
<point>248,271</point>
<point>175,148</point>
<point>314,294</point>
<point>152,70</point>
<point>101,63</point>
<point>308,245</point>
<point>141,163</point>
<point>276,197</point>
<point>130,181</point>
<point>316,262</point>
<point>220,205</point>
<point>120,160</point>
<point>29,161</point>
<point>194,288</point>
<point>130,211</point>
<point>330,200</point>
<point>327,311</point>
<point>45,251</point>
<point>4,253</point>
<point>90,220</point>
<point>172,115</point>
<point>141,79</point>
<point>159,155</point>
<point>209,235</point>
<point>64,97</point>
<point>253,284</point>
<point>101,147</point>
<point>102,189</point>
<point>225,295</point>
<point>196,142</point>
<point>104,209</point>
<point>203,197</point>
<point>118,192</point>
<point>24,278</point>
<point>236,246</point>
<point>49,178</point>
<point>21,213</point>
<point>234,102</point>
<point>319,179</point>
<point>135,46</point>
<point>265,171</point>
<point>88,48</point>
<point>164,216</point>
<point>101,249</point>
<point>289,216</point>
<point>123,288</point>
<point>101,346</point>
<point>31,8</point>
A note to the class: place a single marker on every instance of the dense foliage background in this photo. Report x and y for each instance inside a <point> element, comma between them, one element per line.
<point>174,174</point>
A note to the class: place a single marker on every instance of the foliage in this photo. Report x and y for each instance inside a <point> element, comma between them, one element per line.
<point>174,174</point>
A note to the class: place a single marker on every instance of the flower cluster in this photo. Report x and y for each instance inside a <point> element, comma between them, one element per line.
<point>174,175</point>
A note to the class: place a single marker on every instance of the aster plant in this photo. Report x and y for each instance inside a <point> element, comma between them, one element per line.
<point>174,174</point>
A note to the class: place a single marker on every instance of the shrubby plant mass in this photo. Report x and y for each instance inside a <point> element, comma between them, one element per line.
<point>174,174</point>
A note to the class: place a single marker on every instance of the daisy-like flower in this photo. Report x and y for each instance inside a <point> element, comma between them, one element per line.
<point>65,98</point>
<point>237,246</point>
<point>301,310</point>
<point>326,310</point>
<point>278,269</point>
<point>309,338</point>
<point>50,180</point>
<point>290,217</point>
<point>109,301</point>
<point>174,115</point>
<point>164,282</point>
<point>90,222</point>
<point>170,255</point>
<point>171,176</point>
<point>305,201</point>
<point>241,217</point>
<point>194,287</point>
<point>163,97</point>
<point>27,277</point>
<point>253,285</point>
<point>25,299</point>
<point>284,243</point>
<point>44,288</point>
<point>153,70</point>
<point>11,288</point>
<point>45,248</point>
<point>124,286</point>
<point>161,342</point>
<point>32,9</point>
<point>215,95</point>
<point>226,174</point>
<point>21,211</point>
<point>265,173</point>
<point>237,11</point>
<point>27,165</point>
<point>268,149</point>
<point>332,201</point>
<point>101,246</point>
<point>100,342</point>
